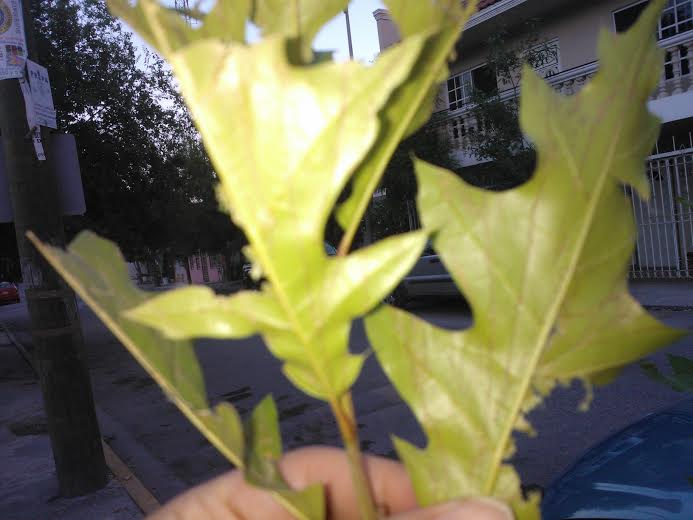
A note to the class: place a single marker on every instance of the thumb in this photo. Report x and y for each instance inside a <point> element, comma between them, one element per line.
<point>472,509</point>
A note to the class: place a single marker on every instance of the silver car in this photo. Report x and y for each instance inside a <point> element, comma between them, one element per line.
<point>428,277</point>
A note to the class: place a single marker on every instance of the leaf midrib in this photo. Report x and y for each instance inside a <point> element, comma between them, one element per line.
<point>538,348</point>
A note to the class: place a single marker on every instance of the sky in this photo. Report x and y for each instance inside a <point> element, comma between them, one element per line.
<point>364,32</point>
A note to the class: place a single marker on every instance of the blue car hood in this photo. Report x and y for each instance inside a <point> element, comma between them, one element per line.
<point>643,472</point>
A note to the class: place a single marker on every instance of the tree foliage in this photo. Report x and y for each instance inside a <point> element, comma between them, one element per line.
<point>394,212</point>
<point>499,137</point>
<point>148,182</point>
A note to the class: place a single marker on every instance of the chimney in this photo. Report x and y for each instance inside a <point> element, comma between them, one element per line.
<point>388,34</point>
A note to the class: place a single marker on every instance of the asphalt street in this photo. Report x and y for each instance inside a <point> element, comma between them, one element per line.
<point>169,455</point>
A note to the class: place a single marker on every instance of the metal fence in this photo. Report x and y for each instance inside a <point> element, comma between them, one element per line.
<point>665,223</point>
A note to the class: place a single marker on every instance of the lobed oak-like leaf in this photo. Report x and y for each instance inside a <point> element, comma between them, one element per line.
<point>544,268</point>
<point>301,132</point>
<point>97,271</point>
<point>314,350</point>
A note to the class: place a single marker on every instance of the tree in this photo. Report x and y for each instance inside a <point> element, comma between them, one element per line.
<point>395,211</point>
<point>499,138</point>
<point>146,176</point>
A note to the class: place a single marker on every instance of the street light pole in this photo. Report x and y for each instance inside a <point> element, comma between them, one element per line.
<point>368,234</point>
<point>348,28</point>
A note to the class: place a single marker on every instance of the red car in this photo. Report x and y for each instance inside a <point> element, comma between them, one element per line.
<point>8,293</point>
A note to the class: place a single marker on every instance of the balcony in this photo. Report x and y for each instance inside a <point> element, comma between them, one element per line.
<point>672,100</point>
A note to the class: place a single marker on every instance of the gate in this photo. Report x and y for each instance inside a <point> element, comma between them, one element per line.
<point>665,223</point>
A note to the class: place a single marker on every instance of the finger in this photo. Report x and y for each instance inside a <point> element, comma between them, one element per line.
<point>229,497</point>
<point>472,509</point>
<point>390,486</point>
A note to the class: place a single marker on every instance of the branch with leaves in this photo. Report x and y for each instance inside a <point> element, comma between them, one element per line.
<point>286,130</point>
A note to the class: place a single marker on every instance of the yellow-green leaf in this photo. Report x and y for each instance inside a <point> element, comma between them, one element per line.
<point>544,269</point>
<point>262,457</point>
<point>196,312</point>
<point>296,19</point>
<point>96,270</point>
<point>318,122</point>
<point>167,30</point>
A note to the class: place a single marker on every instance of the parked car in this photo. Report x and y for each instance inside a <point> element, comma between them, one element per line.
<point>643,472</point>
<point>8,293</point>
<point>428,277</point>
<point>249,283</point>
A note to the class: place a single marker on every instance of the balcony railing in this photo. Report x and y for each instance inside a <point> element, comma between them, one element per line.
<point>677,79</point>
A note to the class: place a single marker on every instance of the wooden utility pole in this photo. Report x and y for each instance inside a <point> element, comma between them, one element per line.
<point>57,337</point>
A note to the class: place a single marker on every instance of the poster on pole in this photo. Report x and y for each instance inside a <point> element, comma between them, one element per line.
<point>12,40</point>
<point>44,109</point>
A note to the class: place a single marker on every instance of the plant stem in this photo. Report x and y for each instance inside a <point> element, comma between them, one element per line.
<point>343,409</point>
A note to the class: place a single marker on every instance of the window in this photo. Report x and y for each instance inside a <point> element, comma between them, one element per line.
<point>460,87</point>
<point>484,79</point>
<point>677,17</point>
<point>625,18</point>
<point>459,90</point>
<point>670,62</point>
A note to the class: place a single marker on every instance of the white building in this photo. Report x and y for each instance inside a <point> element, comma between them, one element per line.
<point>571,28</point>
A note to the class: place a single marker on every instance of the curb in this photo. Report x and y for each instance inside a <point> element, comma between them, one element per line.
<point>668,307</point>
<point>139,494</point>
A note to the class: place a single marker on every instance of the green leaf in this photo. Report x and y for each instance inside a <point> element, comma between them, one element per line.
<point>196,311</point>
<point>167,30</point>
<point>410,106</point>
<point>97,271</point>
<point>319,121</point>
<point>261,462</point>
<point>684,201</point>
<point>681,379</point>
<point>544,269</point>
<point>296,19</point>
<point>652,371</point>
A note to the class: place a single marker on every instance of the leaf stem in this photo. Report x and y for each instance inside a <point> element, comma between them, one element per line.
<point>343,409</point>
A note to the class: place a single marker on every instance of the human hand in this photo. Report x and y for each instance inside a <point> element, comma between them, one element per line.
<point>229,497</point>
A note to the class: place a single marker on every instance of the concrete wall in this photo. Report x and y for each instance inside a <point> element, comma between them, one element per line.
<point>575,26</point>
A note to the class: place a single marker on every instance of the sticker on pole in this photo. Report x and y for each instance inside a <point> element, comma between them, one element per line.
<point>34,128</point>
<point>41,93</point>
<point>12,41</point>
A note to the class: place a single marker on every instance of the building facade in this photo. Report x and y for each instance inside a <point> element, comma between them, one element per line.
<point>570,28</point>
<point>204,268</point>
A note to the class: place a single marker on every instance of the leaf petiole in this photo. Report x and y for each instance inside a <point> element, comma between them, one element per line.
<point>343,410</point>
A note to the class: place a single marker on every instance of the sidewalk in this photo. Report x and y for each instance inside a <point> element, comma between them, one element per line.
<point>666,294</point>
<point>29,484</point>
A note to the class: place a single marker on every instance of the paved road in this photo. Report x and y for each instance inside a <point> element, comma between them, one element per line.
<point>169,455</point>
